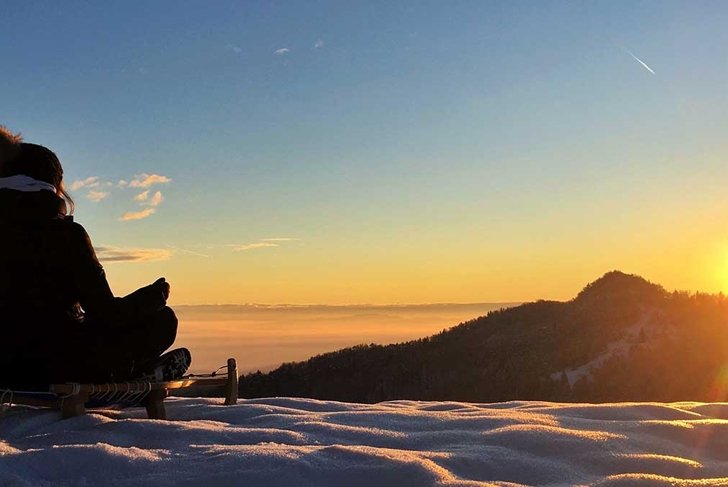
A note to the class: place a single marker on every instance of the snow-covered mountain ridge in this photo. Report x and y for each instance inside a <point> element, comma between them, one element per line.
<point>646,332</point>
<point>620,339</point>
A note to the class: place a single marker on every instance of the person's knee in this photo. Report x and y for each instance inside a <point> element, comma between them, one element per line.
<point>167,315</point>
<point>166,324</point>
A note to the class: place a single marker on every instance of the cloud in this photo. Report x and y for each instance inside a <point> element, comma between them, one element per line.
<point>263,243</point>
<point>92,182</point>
<point>89,182</point>
<point>118,254</point>
<point>234,48</point>
<point>138,215</point>
<point>102,189</point>
<point>187,251</point>
<point>157,198</point>
<point>144,199</point>
<point>145,180</point>
<point>97,196</point>
<point>252,246</point>
<point>319,44</point>
<point>281,52</point>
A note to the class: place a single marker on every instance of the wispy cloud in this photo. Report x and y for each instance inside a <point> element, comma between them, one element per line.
<point>99,189</point>
<point>234,48</point>
<point>89,182</point>
<point>156,199</point>
<point>145,180</point>
<point>263,243</point>
<point>319,44</point>
<point>187,251</point>
<point>644,65</point>
<point>153,201</point>
<point>112,254</point>
<point>252,246</point>
<point>281,52</point>
<point>97,196</point>
<point>138,215</point>
<point>146,198</point>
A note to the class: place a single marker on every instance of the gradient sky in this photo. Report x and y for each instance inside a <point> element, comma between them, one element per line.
<point>382,152</point>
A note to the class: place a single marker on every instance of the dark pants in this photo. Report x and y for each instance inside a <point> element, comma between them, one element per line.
<point>94,353</point>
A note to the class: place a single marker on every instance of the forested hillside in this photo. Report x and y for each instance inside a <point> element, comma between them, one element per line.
<point>621,339</point>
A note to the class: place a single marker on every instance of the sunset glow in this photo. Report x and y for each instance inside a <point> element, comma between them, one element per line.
<point>364,243</point>
<point>332,154</point>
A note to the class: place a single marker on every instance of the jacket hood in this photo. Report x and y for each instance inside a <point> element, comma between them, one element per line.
<point>34,205</point>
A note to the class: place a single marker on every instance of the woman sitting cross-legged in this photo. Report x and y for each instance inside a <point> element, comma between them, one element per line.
<point>59,320</point>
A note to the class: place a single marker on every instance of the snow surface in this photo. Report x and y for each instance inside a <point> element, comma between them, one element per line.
<point>305,442</point>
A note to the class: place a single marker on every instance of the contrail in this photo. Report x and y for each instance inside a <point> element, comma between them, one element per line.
<point>640,61</point>
<point>187,251</point>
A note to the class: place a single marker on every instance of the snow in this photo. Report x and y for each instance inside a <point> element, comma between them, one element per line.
<point>306,442</point>
<point>649,325</point>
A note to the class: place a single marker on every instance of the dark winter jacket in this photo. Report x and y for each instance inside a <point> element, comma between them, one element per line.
<point>51,280</point>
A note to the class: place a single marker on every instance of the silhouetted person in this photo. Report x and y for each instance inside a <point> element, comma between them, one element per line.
<point>59,320</point>
<point>9,145</point>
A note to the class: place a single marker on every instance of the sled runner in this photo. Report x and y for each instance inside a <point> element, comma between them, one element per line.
<point>73,398</point>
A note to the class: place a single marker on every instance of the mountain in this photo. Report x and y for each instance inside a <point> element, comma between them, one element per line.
<point>621,339</point>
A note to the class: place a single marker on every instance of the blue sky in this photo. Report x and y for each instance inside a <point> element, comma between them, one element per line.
<point>387,136</point>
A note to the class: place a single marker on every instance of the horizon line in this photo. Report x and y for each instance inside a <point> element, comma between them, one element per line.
<point>348,305</point>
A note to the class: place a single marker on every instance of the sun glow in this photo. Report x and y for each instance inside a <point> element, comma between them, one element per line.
<point>723,271</point>
<point>719,390</point>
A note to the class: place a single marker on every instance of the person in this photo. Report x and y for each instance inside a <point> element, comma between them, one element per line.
<point>9,144</point>
<point>59,320</point>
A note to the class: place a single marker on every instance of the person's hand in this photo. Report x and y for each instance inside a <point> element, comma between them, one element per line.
<point>163,286</point>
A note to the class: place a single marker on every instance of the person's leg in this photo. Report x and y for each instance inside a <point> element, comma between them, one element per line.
<point>155,335</point>
<point>98,354</point>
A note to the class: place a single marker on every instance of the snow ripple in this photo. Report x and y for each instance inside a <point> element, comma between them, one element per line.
<point>305,442</point>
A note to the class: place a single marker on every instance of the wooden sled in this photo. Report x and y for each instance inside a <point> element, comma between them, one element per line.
<point>73,399</point>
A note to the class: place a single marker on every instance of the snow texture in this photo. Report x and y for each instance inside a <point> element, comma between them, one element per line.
<point>305,442</point>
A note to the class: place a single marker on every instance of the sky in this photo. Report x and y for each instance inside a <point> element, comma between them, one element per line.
<point>382,152</point>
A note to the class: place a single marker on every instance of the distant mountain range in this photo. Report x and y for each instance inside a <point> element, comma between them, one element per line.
<point>621,339</point>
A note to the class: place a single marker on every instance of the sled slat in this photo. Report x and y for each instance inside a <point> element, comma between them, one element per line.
<point>71,399</point>
<point>63,389</point>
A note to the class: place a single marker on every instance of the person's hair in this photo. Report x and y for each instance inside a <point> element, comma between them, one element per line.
<point>9,144</point>
<point>42,164</point>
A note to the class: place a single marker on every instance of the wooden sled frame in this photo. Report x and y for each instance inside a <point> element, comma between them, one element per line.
<point>71,399</point>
